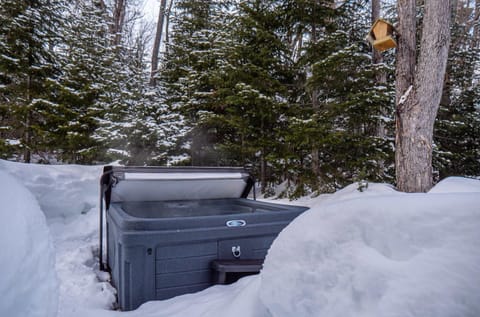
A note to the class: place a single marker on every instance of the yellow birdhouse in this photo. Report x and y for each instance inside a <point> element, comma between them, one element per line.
<point>381,35</point>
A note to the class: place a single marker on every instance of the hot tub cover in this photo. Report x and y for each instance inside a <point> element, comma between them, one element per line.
<point>175,183</point>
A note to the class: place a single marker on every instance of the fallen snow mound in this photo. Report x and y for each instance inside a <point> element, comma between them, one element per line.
<point>371,253</point>
<point>457,185</point>
<point>392,255</point>
<point>64,191</point>
<point>28,283</point>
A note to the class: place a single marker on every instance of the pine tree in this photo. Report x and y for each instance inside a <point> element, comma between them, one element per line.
<point>256,86</point>
<point>28,70</point>
<point>137,128</point>
<point>73,84</point>
<point>147,126</point>
<point>457,128</point>
<point>252,96</point>
<point>87,58</point>
<point>188,76</point>
<point>342,102</point>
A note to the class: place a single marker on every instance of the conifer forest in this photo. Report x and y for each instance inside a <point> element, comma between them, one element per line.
<point>290,88</point>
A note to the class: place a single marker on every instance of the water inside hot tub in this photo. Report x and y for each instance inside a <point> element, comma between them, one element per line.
<point>191,208</point>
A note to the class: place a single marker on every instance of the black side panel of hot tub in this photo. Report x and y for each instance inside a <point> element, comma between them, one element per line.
<point>160,259</point>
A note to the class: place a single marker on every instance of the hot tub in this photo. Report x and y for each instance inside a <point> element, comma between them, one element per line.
<point>165,226</point>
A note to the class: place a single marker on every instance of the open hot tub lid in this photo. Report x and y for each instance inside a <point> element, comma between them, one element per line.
<point>125,184</point>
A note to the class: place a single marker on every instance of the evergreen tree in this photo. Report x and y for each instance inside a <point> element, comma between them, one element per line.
<point>255,89</point>
<point>76,91</point>
<point>87,78</point>
<point>343,112</point>
<point>195,54</point>
<point>147,126</point>
<point>109,112</point>
<point>28,70</point>
<point>457,128</point>
<point>249,93</point>
<point>137,126</point>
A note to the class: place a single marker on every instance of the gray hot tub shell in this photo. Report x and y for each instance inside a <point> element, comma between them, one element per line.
<point>158,247</point>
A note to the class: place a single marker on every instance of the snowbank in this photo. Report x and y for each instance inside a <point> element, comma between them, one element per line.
<point>28,284</point>
<point>457,185</point>
<point>61,190</point>
<point>68,196</point>
<point>236,300</point>
<point>388,255</point>
<point>371,253</point>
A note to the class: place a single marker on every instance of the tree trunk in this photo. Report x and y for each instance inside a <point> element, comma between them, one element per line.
<point>316,107</point>
<point>418,94</point>
<point>406,52</point>
<point>263,162</point>
<point>27,137</point>
<point>476,26</point>
<point>263,173</point>
<point>167,26</point>
<point>158,41</point>
<point>118,20</point>
<point>377,58</point>
<point>445,101</point>
<point>315,150</point>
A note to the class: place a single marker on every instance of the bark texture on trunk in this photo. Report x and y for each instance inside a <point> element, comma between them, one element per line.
<point>315,150</point>
<point>476,25</point>
<point>27,136</point>
<point>158,41</point>
<point>118,20</point>
<point>167,26</point>
<point>376,55</point>
<point>316,107</point>
<point>406,51</point>
<point>263,173</point>
<point>377,58</point>
<point>419,91</point>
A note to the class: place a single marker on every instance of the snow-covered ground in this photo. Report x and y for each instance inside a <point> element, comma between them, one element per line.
<point>372,253</point>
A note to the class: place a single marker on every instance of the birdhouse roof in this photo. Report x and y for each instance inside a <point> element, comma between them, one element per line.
<point>381,27</point>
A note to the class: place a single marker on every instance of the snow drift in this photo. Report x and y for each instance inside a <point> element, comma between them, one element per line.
<point>28,283</point>
<point>389,255</point>
<point>63,191</point>
<point>372,253</point>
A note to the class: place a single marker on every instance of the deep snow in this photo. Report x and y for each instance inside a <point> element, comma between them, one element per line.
<point>371,253</point>
<point>28,282</point>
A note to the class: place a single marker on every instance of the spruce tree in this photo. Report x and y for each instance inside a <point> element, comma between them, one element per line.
<point>28,71</point>
<point>109,111</point>
<point>138,120</point>
<point>343,102</point>
<point>255,88</point>
<point>457,128</point>
<point>195,54</point>
<point>87,59</point>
